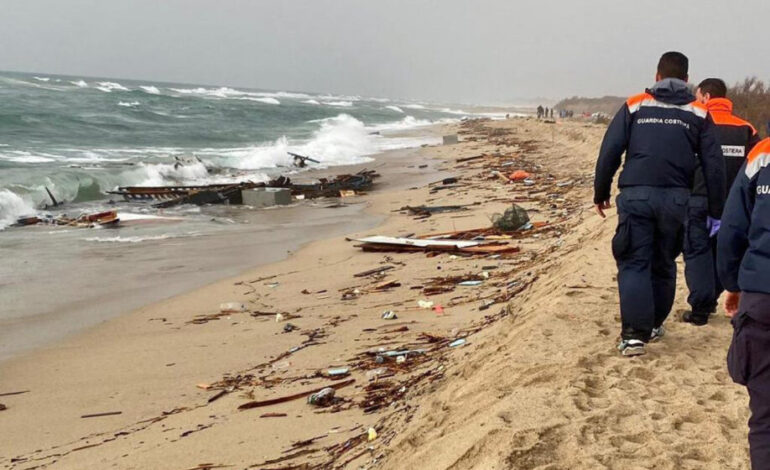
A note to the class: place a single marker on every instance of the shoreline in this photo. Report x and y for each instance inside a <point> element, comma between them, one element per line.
<point>517,369</point>
<point>266,236</point>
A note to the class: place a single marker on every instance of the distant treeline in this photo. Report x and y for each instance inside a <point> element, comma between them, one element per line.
<point>751,99</point>
<point>606,104</point>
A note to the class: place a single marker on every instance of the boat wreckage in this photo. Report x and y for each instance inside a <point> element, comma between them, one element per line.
<point>98,219</point>
<point>168,196</point>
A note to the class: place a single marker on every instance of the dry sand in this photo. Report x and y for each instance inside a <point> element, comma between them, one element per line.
<point>538,385</point>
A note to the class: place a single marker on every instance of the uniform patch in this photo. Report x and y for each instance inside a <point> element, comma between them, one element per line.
<point>763,189</point>
<point>734,151</point>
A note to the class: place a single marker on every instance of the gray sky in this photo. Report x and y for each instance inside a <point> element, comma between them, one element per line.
<point>471,51</point>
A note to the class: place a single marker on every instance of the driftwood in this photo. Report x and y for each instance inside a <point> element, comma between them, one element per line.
<point>296,396</point>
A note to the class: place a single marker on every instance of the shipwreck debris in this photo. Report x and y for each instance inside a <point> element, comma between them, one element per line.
<point>169,196</point>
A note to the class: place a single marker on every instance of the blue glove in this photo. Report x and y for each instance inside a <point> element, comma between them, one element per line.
<point>713,226</point>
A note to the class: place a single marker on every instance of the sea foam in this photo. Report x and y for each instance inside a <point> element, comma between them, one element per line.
<point>12,206</point>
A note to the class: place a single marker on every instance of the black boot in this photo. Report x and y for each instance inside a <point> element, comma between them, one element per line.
<point>696,318</point>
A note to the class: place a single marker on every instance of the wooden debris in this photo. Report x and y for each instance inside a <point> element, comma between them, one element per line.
<point>8,394</point>
<point>374,271</point>
<point>99,415</point>
<point>296,396</point>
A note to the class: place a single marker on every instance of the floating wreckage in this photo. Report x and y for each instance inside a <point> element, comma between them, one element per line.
<point>168,196</point>
<point>99,219</point>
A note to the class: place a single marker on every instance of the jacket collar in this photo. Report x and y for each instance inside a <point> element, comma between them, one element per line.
<point>720,105</point>
<point>672,90</point>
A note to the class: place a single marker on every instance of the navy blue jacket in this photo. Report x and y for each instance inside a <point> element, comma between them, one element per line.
<point>663,132</point>
<point>736,136</point>
<point>743,246</point>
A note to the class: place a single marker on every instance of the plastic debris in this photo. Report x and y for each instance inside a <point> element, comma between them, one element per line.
<point>457,342</point>
<point>289,327</point>
<point>232,307</point>
<point>425,304</point>
<point>340,371</point>
<point>514,218</point>
<point>438,309</point>
<point>519,175</point>
<point>371,434</point>
<point>470,283</point>
<point>325,397</point>
<point>278,317</point>
<point>389,315</point>
<point>400,359</point>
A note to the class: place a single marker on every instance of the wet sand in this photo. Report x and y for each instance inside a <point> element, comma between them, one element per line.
<point>58,281</point>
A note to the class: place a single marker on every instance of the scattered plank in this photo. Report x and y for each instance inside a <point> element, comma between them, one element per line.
<point>374,271</point>
<point>296,396</point>
<point>99,415</point>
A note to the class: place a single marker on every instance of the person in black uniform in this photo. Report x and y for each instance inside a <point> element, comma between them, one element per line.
<point>743,262</point>
<point>663,132</point>
<point>737,137</point>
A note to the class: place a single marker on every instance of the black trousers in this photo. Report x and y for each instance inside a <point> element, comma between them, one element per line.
<point>645,246</point>
<point>748,361</point>
<point>700,259</point>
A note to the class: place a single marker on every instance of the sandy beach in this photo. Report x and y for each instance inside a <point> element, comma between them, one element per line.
<point>534,383</point>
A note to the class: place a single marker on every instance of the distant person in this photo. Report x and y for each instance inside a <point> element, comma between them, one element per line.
<point>663,132</point>
<point>743,262</point>
<point>737,137</point>
<point>546,113</point>
<point>551,113</point>
<point>539,112</point>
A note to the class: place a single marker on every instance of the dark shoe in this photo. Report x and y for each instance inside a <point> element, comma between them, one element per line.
<point>697,319</point>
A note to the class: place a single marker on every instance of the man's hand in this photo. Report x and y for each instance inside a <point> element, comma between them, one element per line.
<point>732,299</point>
<point>601,207</point>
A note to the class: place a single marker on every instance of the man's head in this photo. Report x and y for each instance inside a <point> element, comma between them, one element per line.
<point>709,89</point>
<point>673,65</point>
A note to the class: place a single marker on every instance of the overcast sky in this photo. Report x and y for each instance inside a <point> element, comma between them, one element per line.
<point>480,51</point>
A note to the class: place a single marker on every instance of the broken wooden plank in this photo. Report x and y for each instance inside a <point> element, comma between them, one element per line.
<point>296,396</point>
<point>8,394</point>
<point>374,271</point>
<point>106,413</point>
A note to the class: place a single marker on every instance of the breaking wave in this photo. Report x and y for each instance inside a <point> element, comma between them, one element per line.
<point>12,206</point>
<point>262,100</point>
<point>108,87</point>
<point>80,83</point>
<point>341,104</point>
<point>395,108</point>
<point>128,104</point>
<point>152,90</point>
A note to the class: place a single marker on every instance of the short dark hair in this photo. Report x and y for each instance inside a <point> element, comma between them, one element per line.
<point>715,87</point>
<point>673,65</point>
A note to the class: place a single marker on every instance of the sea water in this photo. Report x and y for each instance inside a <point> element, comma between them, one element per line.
<point>81,137</point>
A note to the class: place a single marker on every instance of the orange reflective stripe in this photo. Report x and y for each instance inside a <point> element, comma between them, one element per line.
<point>636,100</point>
<point>727,119</point>
<point>761,148</point>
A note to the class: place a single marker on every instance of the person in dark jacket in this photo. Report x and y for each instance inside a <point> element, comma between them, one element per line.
<point>663,132</point>
<point>743,264</point>
<point>737,137</point>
